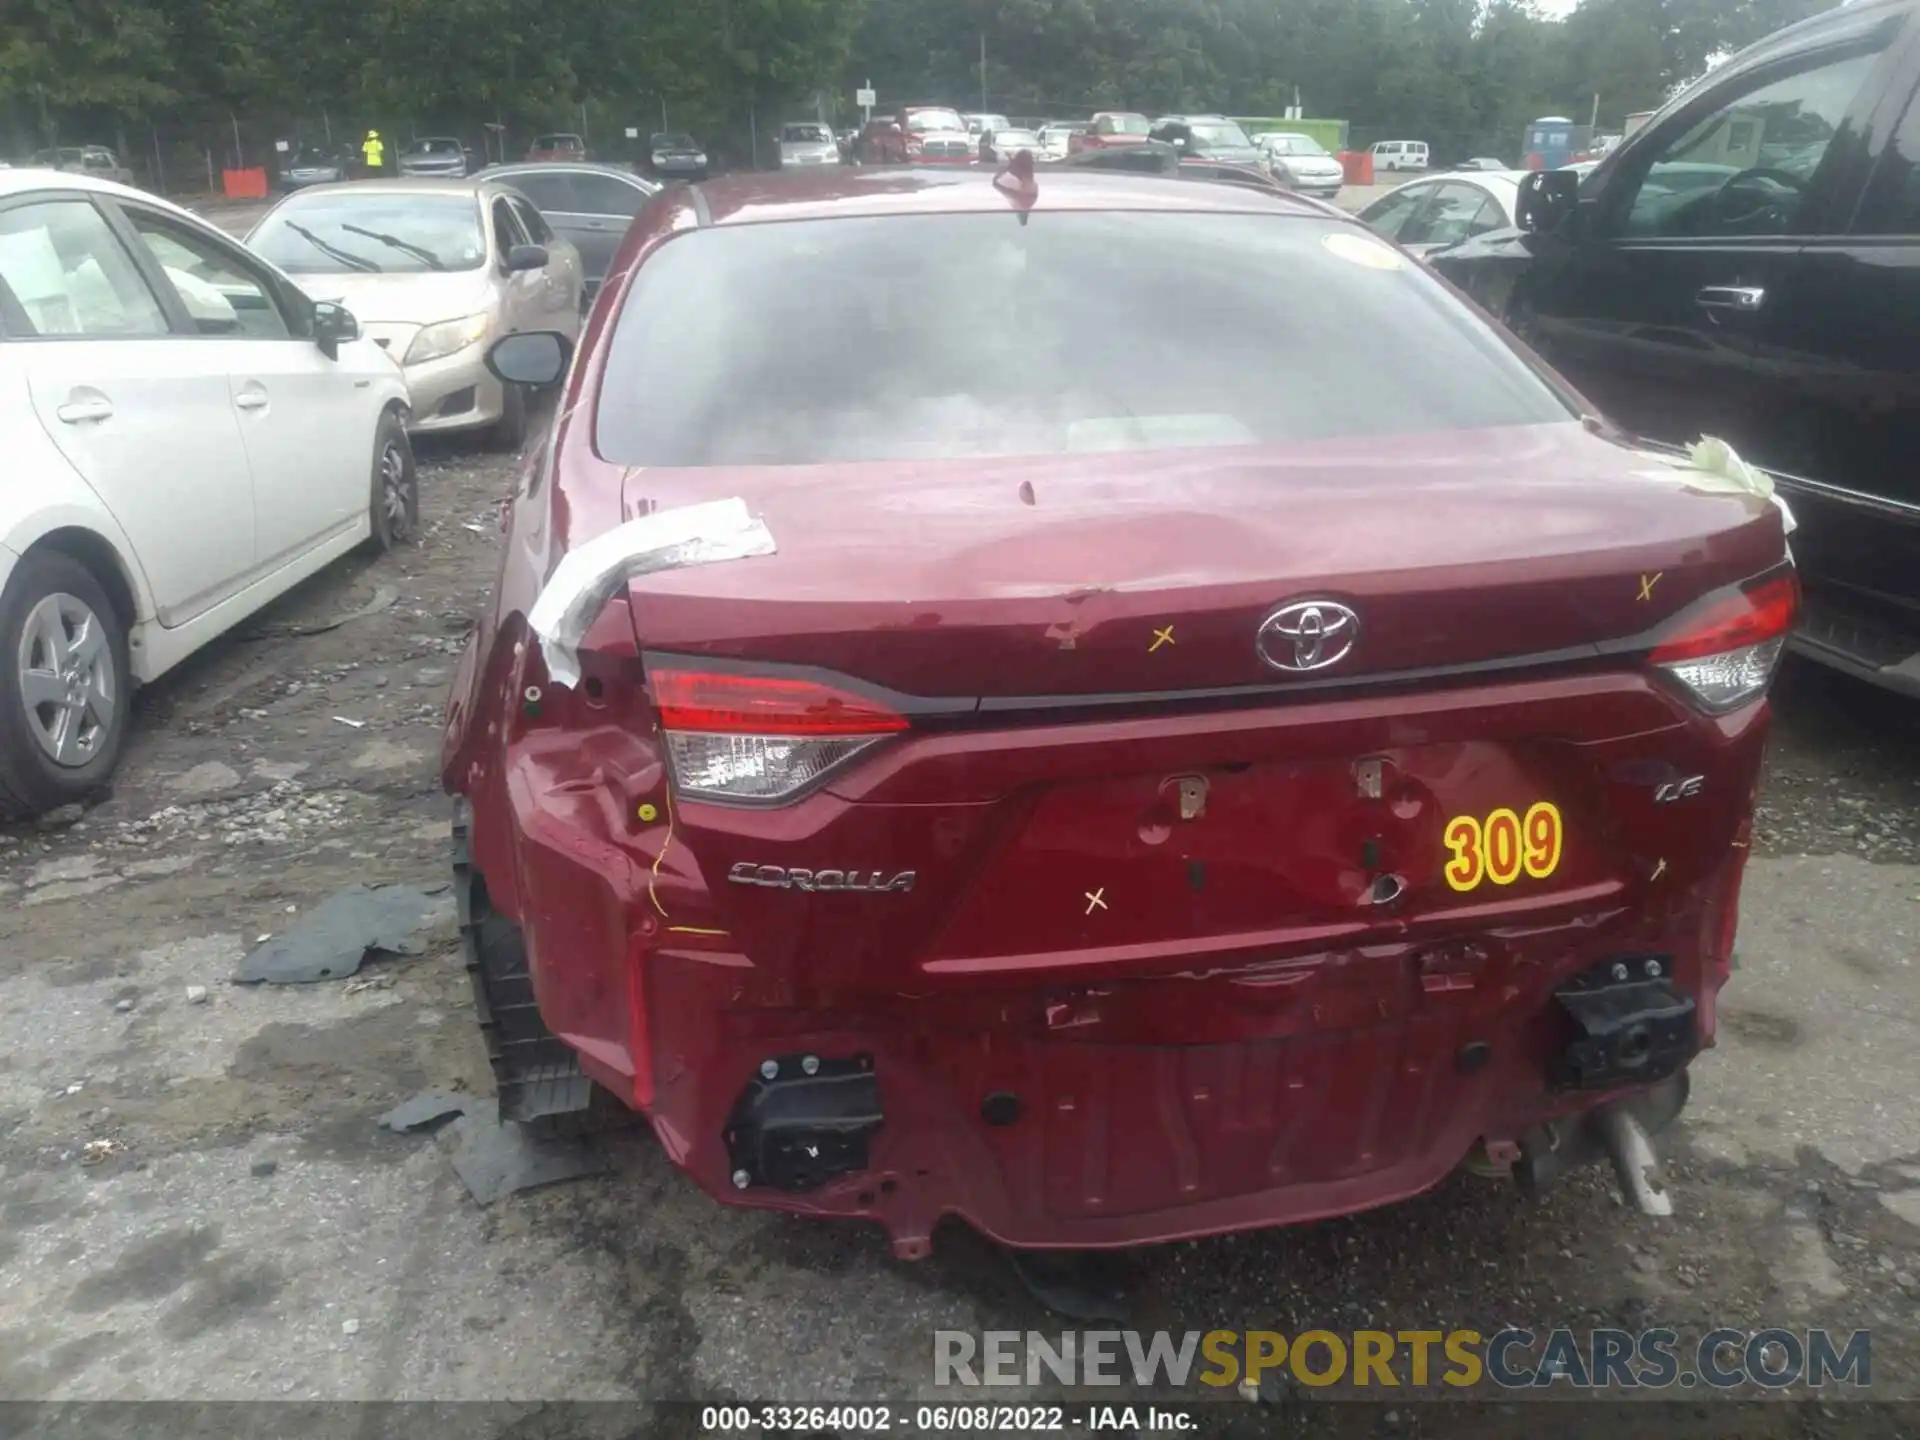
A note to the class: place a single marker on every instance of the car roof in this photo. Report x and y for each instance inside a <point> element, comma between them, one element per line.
<point>31,177</point>
<point>754,197</point>
<point>505,173</point>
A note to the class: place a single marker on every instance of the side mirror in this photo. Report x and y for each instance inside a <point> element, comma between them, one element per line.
<point>530,357</point>
<point>333,326</point>
<point>1547,198</point>
<point>525,257</point>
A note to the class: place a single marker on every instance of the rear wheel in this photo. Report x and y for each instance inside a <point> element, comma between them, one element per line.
<point>65,685</point>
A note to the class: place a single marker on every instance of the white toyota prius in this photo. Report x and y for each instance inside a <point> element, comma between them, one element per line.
<point>186,434</point>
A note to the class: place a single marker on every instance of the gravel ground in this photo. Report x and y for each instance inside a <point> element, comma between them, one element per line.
<point>195,1202</point>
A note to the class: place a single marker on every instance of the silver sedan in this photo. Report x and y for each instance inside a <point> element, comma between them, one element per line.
<point>435,271</point>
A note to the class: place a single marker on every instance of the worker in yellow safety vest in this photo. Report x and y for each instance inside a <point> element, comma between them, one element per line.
<point>374,152</point>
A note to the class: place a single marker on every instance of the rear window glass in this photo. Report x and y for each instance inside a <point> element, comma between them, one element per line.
<point>979,336</point>
<point>805,135</point>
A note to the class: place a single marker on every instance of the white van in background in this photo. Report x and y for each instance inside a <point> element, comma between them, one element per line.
<point>1400,155</point>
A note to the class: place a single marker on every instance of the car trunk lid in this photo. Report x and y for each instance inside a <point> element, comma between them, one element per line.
<point>1041,582</point>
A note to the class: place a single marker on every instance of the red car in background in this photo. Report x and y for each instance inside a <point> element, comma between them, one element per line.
<point>557,147</point>
<point>1110,128</point>
<point>1108,802</point>
<point>918,134</point>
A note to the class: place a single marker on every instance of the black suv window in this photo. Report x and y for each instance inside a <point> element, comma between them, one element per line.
<point>1745,167</point>
<point>1892,203</point>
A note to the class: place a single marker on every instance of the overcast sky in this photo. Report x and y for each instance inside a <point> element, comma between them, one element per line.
<point>1554,9</point>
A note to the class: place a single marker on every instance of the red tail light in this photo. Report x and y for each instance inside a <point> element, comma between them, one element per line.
<point>765,705</point>
<point>1745,617</point>
<point>761,739</point>
<point>1725,652</point>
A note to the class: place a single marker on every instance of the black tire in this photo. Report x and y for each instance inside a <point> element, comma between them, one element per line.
<point>509,432</point>
<point>33,781</point>
<point>394,507</point>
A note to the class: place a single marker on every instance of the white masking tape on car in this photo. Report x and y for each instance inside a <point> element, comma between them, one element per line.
<point>1362,250</point>
<point>583,582</point>
<point>1713,467</point>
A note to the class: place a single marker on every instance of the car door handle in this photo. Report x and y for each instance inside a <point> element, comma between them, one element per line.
<point>79,412</point>
<point>255,399</point>
<point>1746,298</point>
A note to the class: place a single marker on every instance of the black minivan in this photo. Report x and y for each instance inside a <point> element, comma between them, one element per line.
<point>1747,265</point>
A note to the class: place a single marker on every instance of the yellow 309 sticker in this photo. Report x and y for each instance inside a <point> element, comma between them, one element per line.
<point>1503,847</point>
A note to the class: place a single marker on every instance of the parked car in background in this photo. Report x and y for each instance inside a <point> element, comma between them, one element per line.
<point>1484,162</point>
<point>1400,155</point>
<point>1056,137</point>
<point>310,165</point>
<point>561,145</point>
<point>438,156</point>
<point>99,161</point>
<point>676,155</point>
<point>979,124</point>
<point>187,436</point>
<point>1208,137</point>
<point>589,206</point>
<point>1148,157</point>
<point>1428,215</point>
<point>1111,128</point>
<point>1391,760</point>
<point>435,270</point>
<point>1005,144</point>
<point>1301,163</point>
<point>807,142</point>
<point>1746,264</point>
<point>901,137</point>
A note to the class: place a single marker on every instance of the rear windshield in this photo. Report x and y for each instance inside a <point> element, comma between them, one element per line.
<point>557,142</point>
<point>1088,331</point>
<point>438,147</point>
<point>805,134</point>
<point>1123,125</point>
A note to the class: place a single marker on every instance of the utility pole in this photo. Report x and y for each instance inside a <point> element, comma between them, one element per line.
<point>1594,123</point>
<point>983,72</point>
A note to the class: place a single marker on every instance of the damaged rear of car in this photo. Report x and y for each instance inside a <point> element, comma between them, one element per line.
<point>1107,802</point>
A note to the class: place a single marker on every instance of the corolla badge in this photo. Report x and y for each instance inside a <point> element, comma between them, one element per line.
<point>1307,635</point>
<point>780,877</point>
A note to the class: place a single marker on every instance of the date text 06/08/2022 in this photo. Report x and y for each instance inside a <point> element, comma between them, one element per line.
<point>943,1418</point>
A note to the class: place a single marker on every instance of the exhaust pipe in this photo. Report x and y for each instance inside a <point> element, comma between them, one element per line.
<point>1633,1159</point>
<point>1621,1130</point>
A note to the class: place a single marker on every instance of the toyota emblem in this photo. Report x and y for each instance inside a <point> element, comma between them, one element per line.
<point>1307,635</point>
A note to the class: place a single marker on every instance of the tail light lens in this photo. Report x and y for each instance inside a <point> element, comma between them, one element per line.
<point>760,739</point>
<point>1726,651</point>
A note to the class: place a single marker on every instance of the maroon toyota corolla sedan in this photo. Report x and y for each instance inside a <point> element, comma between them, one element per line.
<point>1111,708</point>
